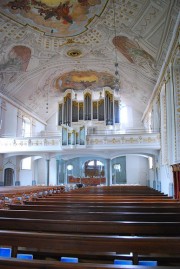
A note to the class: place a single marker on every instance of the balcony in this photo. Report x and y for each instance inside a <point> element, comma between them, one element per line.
<point>37,143</point>
<point>131,138</point>
<point>98,139</point>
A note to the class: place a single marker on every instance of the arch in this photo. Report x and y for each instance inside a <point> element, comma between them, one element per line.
<point>94,168</point>
<point>119,170</point>
<point>134,169</point>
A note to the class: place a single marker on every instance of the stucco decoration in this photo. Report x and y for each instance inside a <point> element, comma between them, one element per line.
<point>77,80</point>
<point>61,18</point>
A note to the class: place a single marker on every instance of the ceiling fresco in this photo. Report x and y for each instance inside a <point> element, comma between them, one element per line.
<point>134,53</point>
<point>48,46</point>
<point>62,18</point>
<point>77,80</point>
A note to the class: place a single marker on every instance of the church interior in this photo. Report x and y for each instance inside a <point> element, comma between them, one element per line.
<point>89,134</point>
<point>90,93</point>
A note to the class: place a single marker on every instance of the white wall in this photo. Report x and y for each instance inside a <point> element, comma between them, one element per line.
<point>41,171</point>
<point>151,177</point>
<point>130,118</point>
<point>137,168</point>
<point>39,127</point>
<point>10,120</point>
<point>52,123</point>
<point>25,177</point>
<point>52,173</point>
<point>166,178</point>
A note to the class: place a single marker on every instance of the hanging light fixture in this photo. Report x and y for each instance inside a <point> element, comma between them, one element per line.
<point>116,65</point>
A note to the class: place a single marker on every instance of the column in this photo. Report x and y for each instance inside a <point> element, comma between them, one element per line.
<point>57,172</point>
<point>109,173</point>
<point>64,171</point>
<point>47,161</point>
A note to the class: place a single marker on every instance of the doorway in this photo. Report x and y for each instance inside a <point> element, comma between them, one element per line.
<point>8,177</point>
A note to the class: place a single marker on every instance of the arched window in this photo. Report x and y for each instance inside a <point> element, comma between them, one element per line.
<point>94,168</point>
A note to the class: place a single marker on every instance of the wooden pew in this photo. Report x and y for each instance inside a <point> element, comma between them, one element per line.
<point>98,216</point>
<point>59,200</point>
<point>122,189</point>
<point>18,194</point>
<point>112,196</point>
<point>90,208</point>
<point>108,195</point>
<point>74,243</point>
<point>17,191</point>
<point>83,228</point>
<point>20,190</point>
<point>14,263</point>
<point>146,204</point>
<point>92,227</point>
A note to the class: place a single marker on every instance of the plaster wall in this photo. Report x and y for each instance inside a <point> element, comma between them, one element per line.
<point>137,169</point>
<point>166,179</point>
<point>41,171</point>
<point>25,177</point>
<point>10,121</point>
<point>52,171</point>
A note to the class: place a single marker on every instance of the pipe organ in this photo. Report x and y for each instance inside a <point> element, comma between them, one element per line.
<point>105,107</point>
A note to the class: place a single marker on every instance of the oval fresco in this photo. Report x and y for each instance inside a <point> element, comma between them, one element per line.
<point>62,18</point>
<point>77,80</point>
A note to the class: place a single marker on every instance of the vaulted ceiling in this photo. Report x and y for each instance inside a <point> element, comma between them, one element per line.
<point>48,46</point>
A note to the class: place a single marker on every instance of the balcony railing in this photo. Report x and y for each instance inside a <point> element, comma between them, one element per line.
<point>46,141</point>
<point>52,141</point>
<point>93,131</point>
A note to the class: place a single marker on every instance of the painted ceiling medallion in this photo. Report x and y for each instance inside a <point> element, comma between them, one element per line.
<point>63,18</point>
<point>74,53</point>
